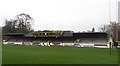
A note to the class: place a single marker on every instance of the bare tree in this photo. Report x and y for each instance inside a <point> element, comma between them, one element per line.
<point>24,22</point>
<point>112,29</point>
<point>104,28</point>
<point>9,26</point>
<point>21,24</point>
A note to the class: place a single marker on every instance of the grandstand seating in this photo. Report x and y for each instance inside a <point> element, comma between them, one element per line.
<point>82,38</point>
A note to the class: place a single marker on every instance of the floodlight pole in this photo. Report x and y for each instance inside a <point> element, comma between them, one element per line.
<point>110,20</point>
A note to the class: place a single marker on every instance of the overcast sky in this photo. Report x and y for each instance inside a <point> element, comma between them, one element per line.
<point>75,15</point>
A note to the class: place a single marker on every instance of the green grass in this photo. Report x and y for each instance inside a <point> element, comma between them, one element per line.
<point>0,54</point>
<point>57,55</point>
